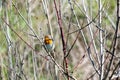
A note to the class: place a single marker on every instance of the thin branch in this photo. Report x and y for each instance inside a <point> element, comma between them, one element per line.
<point>62,35</point>
<point>72,46</point>
<point>110,53</point>
<point>22,39</point>
<point>46,11</point>
<point>91,75</point>
<point>68,30</point>
<point>26,22</point>
<point>29,20</point>
<point>90,30</point>
<point>101,41</point>
<point>115,39</point>
<point>37,52</point>
<point>89,55</point>
<point>80,61</point>
<point>78,24</point>
<point>96,25</point>
<point>118,64</point>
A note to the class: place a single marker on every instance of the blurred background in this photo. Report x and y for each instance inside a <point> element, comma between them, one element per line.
<point>85,23</point>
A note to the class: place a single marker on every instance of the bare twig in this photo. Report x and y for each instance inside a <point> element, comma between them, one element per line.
<point>84,26</point>
<point>62,36</point>
<point>29,20</point>
<point>40,55</point>
<point>96,25</point>
<point>26,22</point>
<point>9,41</point>
<point>72,45</point>
<point>118,64</point>
<point>22,38</point>
<point>88,16</point>
<point>46,11</point>
<point>115,40</point>
<point>89,54</point>
<point>101,41</point>
<point>91,75</point>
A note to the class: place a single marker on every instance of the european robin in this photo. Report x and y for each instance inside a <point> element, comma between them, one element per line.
<point>49,43</point>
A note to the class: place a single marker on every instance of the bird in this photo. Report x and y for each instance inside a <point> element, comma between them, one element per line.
<point>49,43</point>
<point>49,47</point>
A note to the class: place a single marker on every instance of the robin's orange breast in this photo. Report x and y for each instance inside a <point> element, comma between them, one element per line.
<point>48,41</point>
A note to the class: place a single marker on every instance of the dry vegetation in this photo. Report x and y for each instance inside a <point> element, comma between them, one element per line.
<point>85,32</point>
